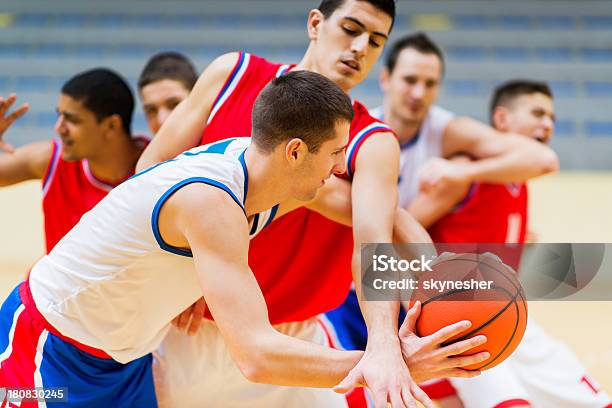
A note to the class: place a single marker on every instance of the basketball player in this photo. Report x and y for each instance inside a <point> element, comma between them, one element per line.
<point>164,82</point>
<point>94,308</point>
<point>411,79</point>
<point>346,38</point>
<point>94,152</point>
<point>542,372</point>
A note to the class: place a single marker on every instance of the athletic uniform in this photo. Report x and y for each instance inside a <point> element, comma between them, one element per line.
<point>302,261</point>
<point>542,371</point>
<point>92,310</point>
<point>69,191</point>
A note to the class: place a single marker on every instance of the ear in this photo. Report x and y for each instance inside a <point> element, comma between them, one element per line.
<point>500,118</point>
<point>114,123</point>
<point>383,79</point>
<point>295,150</point>
<point>315,18</point>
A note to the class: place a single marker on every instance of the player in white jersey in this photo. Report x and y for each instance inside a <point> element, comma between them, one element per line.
<point>410,79</point>
<point>100,302</point>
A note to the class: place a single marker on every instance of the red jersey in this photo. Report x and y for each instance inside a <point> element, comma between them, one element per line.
<point>494,213</point>
<point>302,261</point>
<point>489,214</point>
<point>69,191</point>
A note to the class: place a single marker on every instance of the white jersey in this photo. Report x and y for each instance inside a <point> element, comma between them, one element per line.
<point>426,144</point>
<point>112,282</point>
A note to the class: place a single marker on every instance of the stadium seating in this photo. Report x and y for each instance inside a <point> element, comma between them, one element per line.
<point>43,43</point>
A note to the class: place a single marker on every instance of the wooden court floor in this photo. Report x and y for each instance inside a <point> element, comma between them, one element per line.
<point>569,207</point>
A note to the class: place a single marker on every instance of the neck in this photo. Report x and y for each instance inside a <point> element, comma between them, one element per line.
<point>265,188</point>
<point>115,164</point>
<point>406,130</point>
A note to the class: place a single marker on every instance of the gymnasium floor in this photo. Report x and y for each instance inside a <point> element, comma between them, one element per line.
<point>570,207</point>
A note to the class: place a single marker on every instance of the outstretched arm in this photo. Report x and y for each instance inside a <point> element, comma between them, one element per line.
<point>183,128</point>
<point>27,162</point>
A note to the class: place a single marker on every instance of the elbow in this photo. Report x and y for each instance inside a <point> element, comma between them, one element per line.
<point>549,162</point>
<point>252,369</point>
<point>254,359</point>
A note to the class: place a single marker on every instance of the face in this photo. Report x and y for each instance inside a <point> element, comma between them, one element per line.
<point>347,44</point>
<point>531,115</point>
<point>315,168</point>
<point>82,135</point>
<point>159,99</point>
<point>412,86</point>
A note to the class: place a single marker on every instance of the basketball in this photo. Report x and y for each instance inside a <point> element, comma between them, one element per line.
<point>478,288</point>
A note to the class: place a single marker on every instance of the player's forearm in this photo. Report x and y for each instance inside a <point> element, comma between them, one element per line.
<point>523,162</point>
<point>284,360</point>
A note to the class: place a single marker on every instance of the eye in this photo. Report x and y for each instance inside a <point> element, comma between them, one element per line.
<point>374,43</point>
<point>350,31</point>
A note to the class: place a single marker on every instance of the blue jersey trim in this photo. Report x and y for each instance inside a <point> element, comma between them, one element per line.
<point>272,215</point>
<point>229,80</point>
<point>150,168</point>
<point>246,175</point>
<point>219,148</point>
<point>357,145</point>
<point>160,202</point>
<point>411,142</point>
<point>255,224</point>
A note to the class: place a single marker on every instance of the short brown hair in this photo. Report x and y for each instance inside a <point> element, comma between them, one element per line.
<point>168,65</point>
<point>506,93</point>
<point>299,104</point>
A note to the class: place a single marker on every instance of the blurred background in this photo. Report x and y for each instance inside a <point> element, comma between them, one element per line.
<point>567,43</point>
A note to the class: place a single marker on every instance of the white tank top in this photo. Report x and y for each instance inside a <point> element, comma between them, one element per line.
<point>426,144</point>
<point>111,282</point>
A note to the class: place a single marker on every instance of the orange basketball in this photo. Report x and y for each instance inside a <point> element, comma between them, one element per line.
<point>478,288</point>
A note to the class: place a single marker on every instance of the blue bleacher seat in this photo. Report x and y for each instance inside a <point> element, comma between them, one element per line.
<point>465,87</point>
<point>31,83</point>
<point>597,54</point>
<point>14,50</point>
<point>599,128</point>
<point>150,20</point>
<point>597,22</point>
<point>5,82</point>
<point>46,120</point>
<point>90,50</point>
<point>556,54</point>
<point>31,20</point>
<point>467,53</point>
<point>563,89</point>
<point>70,20</point>
<point>469,22</point>
<point>109,20</point>
<point>133,50</point>
<point>52,51</point>
<point>598,89</point>
<point>565,128</point>
<point>187,21</point>
<point>555,22</point>
<point>514,22</point>
<point>510,54</point>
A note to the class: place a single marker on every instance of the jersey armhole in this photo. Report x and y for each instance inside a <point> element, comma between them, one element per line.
<point>230,84</point>
<point>162,200</point>
<point>52,167</point>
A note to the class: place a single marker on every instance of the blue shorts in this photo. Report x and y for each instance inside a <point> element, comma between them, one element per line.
<point>33,354</point>
<point>348,324</point>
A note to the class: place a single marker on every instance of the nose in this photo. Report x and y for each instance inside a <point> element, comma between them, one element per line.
<point>359,45</point>
<point>340,164</point>
<point>548,123</point>
<point>418,90</point>
<point>162,115</point>
<point>59,124</point>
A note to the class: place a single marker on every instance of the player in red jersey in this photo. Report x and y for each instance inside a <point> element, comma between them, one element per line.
<point>543,371</point>
<point>346,38</point>
<point>94,152</point>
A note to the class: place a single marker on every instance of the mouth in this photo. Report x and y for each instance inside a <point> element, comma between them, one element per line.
<point>352,64</point>
<point>67,142</point>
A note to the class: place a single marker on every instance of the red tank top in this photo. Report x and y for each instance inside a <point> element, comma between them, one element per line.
<point>489,214</point>
<point>69,191</point>
<point>302,261</point>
